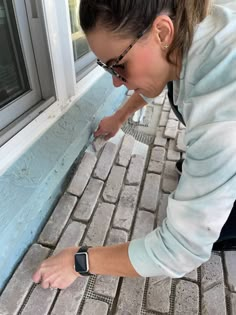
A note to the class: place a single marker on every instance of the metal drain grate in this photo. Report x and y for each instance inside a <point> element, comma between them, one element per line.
<point>139,136</point>
<point>89,294</point>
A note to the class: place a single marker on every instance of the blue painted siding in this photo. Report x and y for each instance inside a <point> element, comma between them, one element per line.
<point>30,188</point>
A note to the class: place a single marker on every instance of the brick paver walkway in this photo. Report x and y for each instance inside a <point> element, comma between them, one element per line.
<point>118,194</point>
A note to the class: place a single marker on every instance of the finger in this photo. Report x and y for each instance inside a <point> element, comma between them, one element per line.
<point>37,276</point>
<point>108,136</point>
<point>98,132</point>
<point>45,284</point>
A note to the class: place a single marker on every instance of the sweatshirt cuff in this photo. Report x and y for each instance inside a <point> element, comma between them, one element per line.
<point>141,260</point>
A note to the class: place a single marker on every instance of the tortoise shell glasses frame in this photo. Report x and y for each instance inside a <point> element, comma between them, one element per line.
<point>111,69</point>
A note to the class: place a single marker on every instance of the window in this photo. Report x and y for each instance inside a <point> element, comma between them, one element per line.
<point>84,58</point>
<point>13,77</point>
<point>22,87</point>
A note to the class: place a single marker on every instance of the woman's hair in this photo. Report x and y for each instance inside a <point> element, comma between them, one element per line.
<point>128,18</point>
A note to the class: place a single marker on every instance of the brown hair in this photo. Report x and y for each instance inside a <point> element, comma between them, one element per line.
<point>130,17</point>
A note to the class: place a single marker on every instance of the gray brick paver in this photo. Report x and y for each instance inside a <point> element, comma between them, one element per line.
<point>213,301</point>
<point>163,119</point>
<point>159,139</point>
<point>107,285</point>
<point>166,106</point>
<point>172,154</point>
<point>69,300</point>
<point>212,284</point>
<point>162,209</point>
<point>99,143</point>
<point>158,294</point>
<point>193,275</point>
<point>88,201</point>
<point>172,115</point>
<point>144,224</point>
<point>186,299</point>
<point>150,194</point>
<point>126,207</point>
<point>171,129</point>
<point>125,152</point>
<point>159,100</point>
<point>71,236</point>
<point>17,288</point>
<point>114,184</point>
<point>170,178</point>
<point>82,175</point>
<point>182,126</point>
<point>135,170</point>
<point>95,307</point>
<point>212,272</point>
<point>58,220</point>
<point>131,296</point>
<point>100,224</point>
<point>105,161</point>
<point>157,158</point>
<point>40,302</point>
<point>180,144</point>
<point>230,269</point>
<point>233,303</point>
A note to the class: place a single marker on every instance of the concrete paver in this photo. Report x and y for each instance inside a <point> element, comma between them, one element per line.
<point>58,220</point>
<point>126,207</point>
<point>158,294</point>
<point>135,170</point>
<point>99,225</point>
<point>125,152</point>
<point>170,178</point>
<point>87,203</point>
<point>134,205</point>
<point>157,159</point>
<point>233,303</point>
<point>105,161</point>
<point>187,298</point>
<point>150,194</point>
<point>94,307</point>
<point>82,175</point>
<point>107,285</point>
<point>114,184</point>
<point>230,263</point>
<point>160,140</point>
<point>171,129</point>
<point>131,296</point>
<point>16,290</point>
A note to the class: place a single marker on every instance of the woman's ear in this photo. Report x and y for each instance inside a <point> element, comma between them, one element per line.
<point>163,30</point>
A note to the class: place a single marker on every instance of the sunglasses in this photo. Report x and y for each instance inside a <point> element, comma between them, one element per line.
<point>111,69</point>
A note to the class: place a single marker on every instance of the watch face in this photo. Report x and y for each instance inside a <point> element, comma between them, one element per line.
<point>81,262</point>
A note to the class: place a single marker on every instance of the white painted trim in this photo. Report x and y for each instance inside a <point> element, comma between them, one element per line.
<point>21,142</point>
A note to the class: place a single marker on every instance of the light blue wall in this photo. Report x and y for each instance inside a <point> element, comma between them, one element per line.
<point>31,187</point>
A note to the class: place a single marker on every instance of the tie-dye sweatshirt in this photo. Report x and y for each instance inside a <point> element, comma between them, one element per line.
<point>200,205</point>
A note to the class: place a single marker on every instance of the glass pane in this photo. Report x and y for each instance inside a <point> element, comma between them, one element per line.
<point>80,45</point>
<point>13,77</point>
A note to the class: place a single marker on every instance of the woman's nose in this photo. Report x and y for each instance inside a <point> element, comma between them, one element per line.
<point>117,82</point>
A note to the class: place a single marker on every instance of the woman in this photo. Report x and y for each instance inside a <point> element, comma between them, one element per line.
<point>145,45</point>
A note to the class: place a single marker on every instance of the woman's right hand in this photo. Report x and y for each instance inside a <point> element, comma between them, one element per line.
<point>108,127</point>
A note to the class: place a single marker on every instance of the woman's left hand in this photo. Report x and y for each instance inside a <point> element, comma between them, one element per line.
<point>58,271</point>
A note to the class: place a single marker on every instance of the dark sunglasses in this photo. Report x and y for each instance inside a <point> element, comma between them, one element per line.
<point>111,69</point>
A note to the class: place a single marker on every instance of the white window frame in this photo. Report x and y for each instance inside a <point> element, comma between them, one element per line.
<point>30,23</point>
<point>57,19</point>
<point>24,102</point>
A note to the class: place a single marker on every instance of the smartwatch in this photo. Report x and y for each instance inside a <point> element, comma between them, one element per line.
<point>82,261</point>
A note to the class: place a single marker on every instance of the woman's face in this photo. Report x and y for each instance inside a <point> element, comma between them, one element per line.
<point>145,66</point>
